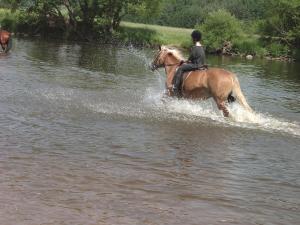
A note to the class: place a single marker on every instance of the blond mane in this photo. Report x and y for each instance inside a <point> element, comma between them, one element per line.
<point>176,53</point>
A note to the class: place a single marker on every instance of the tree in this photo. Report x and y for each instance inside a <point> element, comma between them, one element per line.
<point>220,27</point>
<point>188,13</point>
<point>283,21</point>
<point>84,17</point>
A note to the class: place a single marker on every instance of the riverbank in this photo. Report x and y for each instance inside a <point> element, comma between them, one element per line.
<point>154,35</point>
<point>146,35</point>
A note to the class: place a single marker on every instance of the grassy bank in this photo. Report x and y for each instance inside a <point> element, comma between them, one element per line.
<point>149,35</point>
<point>155,34</point>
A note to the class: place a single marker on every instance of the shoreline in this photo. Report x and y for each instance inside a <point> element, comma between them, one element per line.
<point>117,40</point>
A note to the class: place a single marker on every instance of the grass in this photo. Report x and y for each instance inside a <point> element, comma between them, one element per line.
<point>179,37</point>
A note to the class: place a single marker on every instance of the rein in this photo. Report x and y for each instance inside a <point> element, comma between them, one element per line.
<point>164,65</point>
<point>174,64</point>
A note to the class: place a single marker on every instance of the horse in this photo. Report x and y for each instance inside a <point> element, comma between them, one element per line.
<point>200,84</point>
<point>5,40</point>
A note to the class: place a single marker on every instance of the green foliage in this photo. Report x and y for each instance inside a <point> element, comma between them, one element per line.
<point>188,13</point>
<point>26,22</point>
<point>261,52</point>
<point>250,45</point>
<point>283,20</point>
<point>19,21</point>
<point>276,22</point>
<point>251,27</point>
<point>85,18</point>
<point>181,14</point>
<point>220,26</point>
<point>145,10</point>
<point>245,9</point>
<point>276,49</point>
<point>7,19</point>
<point>246,46</point>
<point>296,54</point>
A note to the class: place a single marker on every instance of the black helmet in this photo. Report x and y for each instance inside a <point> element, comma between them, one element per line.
<point>196,35</point>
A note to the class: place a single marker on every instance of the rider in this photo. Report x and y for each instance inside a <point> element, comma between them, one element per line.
<point>195,61</point>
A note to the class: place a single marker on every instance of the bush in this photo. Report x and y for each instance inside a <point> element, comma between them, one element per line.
<point>27,22</point>
<point>19,21</point>
<point>220,26</point>
<point>296,54</point>
<point>262,52</point>
<point>7,19</point>
<point>276,49</point>
<point>283,21</point>
<point>249,45</point>
<point>251,26</point>
<point>3,13</point>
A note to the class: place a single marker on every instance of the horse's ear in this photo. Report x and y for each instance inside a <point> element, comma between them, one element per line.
<point>159,47</point>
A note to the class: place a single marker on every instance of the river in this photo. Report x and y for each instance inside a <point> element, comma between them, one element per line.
<point>85,138</point>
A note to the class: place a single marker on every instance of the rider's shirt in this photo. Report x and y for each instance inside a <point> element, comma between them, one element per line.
<point>197,56</point>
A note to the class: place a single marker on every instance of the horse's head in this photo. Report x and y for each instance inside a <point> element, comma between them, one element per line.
<point>166,57</point>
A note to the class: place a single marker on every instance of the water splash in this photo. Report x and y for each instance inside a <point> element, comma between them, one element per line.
<point>155,107</point>
<point>243,118</point>
<point>199,110</point>
<point>151,104</point>
<point>239,117</point>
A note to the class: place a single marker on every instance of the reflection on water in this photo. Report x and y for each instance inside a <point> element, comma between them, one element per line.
<point>86,139</point>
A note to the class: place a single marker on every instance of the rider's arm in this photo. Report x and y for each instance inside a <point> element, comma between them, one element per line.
<point>192,55</point>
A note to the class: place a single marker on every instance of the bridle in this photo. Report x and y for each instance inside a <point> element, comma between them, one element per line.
<point>154,67</point>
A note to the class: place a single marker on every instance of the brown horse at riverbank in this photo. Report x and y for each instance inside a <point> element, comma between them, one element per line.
<point>217,83</point>
<point>5,40</point>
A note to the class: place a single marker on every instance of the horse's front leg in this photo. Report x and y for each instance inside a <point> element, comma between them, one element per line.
<point>167,93</point>
<point>169,89</point>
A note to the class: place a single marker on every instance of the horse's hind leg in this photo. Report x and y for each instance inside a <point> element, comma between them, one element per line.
<point>230,98</point>
<point>222,106</point>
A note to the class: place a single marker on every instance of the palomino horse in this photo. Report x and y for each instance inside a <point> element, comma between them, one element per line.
<point>5,40</point>
<point>201,84</point>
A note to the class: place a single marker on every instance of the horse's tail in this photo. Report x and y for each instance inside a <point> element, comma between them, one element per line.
<point>239,95</point>
<point>9,44</point>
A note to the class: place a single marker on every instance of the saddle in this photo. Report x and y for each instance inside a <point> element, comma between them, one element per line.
<point>185,76</point>
<point>203,67</point>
